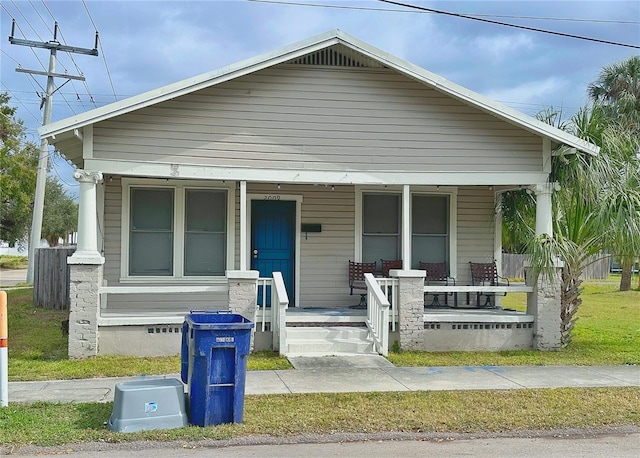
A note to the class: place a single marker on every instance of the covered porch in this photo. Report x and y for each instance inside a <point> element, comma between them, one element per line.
<point>133,316</point>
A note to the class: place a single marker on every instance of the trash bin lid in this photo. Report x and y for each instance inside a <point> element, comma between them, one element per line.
<point>217,320</point>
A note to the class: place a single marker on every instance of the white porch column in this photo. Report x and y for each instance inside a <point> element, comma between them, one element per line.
<point>243,225</point>
<point>545,302</point>
<point>87,246</point>
<point>85,267</point>
<point>544,210</point>
<point>406,227</point>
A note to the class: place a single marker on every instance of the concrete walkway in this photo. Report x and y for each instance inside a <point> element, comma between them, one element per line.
<point>363,374</point>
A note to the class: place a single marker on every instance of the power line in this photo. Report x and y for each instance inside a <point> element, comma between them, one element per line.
<point>70,55</point>
<point>20,102</point>
<point>80,72</point>
<point>21,31</point>
<point>40,16</point>
<point>104,57</point>
<point>53,46</point>
<point>393,10</point>
<point>27,21</point>
<point>532,29</point>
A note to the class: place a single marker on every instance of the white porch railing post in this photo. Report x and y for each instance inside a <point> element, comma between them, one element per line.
<point>279,305</point>
<point>377,314</point>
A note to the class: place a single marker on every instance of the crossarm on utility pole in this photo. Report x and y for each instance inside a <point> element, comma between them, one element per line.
<point>41,179</point>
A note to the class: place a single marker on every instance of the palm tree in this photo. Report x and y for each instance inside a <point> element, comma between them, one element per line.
<point>617,89</point>
<point>595,207</point>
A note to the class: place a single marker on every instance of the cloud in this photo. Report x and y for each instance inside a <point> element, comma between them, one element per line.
<point>500,47</point>
<point>537,92</point>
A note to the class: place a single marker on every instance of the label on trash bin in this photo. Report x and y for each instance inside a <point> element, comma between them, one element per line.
<point>225,339</point>
<point>150,407</point>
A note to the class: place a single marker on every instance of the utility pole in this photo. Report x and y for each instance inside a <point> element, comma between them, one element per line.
<point>47,101</point>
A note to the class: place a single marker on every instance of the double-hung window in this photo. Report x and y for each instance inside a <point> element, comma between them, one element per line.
<point>380,227</point>
<point>176,231</point>
<point>151,232</point>
<point>431,227</point>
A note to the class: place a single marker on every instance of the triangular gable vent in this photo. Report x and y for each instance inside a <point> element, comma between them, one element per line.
<point>333,58</point>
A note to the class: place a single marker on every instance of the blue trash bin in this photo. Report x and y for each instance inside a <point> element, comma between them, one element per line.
<point>215,346</point>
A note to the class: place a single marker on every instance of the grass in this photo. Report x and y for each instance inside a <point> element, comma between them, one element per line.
<point>38,349</point>
<point>47,424</point>
<point>8,261</point>
<point>607,333</point>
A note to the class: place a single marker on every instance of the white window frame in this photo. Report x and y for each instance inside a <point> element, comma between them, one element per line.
<point>450,191</point>
<point>179,188</point>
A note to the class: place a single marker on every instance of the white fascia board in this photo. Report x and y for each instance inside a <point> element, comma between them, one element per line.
<point>190,85</point>
<point>442,84</point>
<point>329,177</point>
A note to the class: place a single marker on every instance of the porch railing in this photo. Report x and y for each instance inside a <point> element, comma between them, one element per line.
<point>377,314</point>
<point>261,306</point>
<point>389,288</point>
<point>279,306</point>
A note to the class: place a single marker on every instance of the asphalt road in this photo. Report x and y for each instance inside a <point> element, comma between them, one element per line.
<point>619,442</point>
<point>11,277</point>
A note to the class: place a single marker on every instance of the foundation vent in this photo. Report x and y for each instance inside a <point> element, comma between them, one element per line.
<point>164,330</point>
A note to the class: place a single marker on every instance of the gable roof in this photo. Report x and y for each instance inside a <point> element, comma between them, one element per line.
<point>364,52</point>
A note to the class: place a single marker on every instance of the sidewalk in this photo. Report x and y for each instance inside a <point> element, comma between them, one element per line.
<point>337,374</point>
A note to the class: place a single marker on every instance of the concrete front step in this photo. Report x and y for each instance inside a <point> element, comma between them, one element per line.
<point>329,340</point>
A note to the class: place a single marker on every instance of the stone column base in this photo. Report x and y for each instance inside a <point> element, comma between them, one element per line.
<point>544,303</point>
<point>243,295</point>
<point>85,304</point>
<point>410,307</point>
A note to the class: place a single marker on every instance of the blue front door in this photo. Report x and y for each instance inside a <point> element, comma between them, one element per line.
<point>273,241</point>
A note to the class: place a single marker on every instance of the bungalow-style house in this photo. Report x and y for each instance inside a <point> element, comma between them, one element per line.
<point>252,187</point>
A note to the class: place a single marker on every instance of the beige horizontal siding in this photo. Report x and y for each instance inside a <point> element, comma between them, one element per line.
<point>475,229</point>
<point>320,119</point>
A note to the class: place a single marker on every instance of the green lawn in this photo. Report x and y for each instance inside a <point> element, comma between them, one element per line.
<point>607,332</point>
<point>8,261</point>
<point>38,349</point>
<point>305,414</point>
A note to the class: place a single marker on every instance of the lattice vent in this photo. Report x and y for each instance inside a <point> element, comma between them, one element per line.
<point>333,58</point>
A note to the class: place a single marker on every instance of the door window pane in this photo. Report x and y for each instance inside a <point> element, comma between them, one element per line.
<point>151,232</point>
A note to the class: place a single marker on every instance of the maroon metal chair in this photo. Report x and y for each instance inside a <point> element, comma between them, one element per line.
<point>388,265</point>
<point>356,278</point>
<point>486,274</point>
<point>437,274</point>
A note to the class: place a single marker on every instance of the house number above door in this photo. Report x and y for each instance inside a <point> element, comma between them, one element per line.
<point>274,197</point>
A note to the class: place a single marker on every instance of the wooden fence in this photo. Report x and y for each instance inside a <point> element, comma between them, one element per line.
<point>513,267</point>
<point>51,277</point>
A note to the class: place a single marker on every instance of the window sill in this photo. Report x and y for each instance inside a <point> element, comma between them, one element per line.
<point>174,280</point>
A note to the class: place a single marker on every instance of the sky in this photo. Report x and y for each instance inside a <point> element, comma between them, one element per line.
<point>147,44</point>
